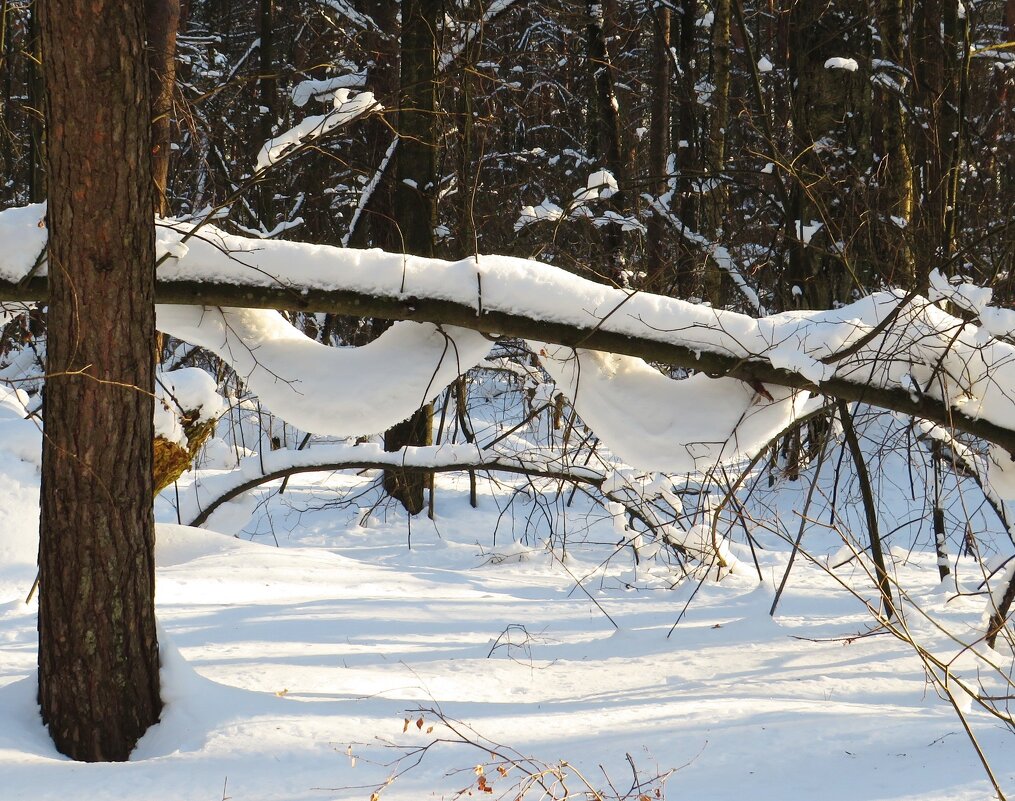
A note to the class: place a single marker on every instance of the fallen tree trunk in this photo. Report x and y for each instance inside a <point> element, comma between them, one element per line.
<point>496,322</point>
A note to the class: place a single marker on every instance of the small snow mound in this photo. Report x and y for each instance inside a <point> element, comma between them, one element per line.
<point>837,63</point>
<point>176,545</point>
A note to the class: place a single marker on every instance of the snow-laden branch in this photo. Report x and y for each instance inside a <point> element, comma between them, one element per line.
<point>719,254</point>
<point>337,391</point>
<point>264,468</point>
<point>471,32</point>
<point>657,423</point>
<point>892,350</point>
<point>347,108</point>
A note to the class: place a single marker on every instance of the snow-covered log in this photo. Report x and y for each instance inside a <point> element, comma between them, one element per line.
<point>893,350</point>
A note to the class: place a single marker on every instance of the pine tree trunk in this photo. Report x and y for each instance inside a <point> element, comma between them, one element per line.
<point>935,28</point>
<point>714,201</point>
<point>824,113</point>
<point>98,654</point>
<point>267,92</point>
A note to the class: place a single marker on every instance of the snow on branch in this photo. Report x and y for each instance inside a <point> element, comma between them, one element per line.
<point>325,89</point>
<point>336,391</point>
<point>891,349</point>
<point>266,467</point>
<point>471,31</point>
<point>657,423</point>
<point>348,107</point>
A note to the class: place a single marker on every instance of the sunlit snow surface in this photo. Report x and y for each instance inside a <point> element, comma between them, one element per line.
<point>278,662</point>
<point>292,662</point>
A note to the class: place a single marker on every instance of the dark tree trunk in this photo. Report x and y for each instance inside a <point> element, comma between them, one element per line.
<point>267,92</point>
<point>825,113</point>
<point>659,147</point>
<point>937,141</point>
<point>715,200</point>
<point>608,144</point>
<point>98,654</point>
<point>896,169</point>
<point>416,162</point>
<point>37,131</point>
<point>416,205</point>
<point>687,146</point>
<point>376,226</point>
<point>162,20</point>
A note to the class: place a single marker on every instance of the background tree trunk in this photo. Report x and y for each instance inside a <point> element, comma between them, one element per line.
<point>416,205</point>
<point>609,130</point>
<point>36,93</point>
<point>267,94</point>
<point>659,148</point>
<point>687,146</point>
<point>162,20</point>
<point>825,114</point>
<point>895,168</point>
<point>98,654</point>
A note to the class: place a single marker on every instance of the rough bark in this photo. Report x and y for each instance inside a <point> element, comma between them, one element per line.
<point>715,200</point>
<point>267,94</point>
<point>36,93</point>
<point>824,109</point>
<point>937,139</point>
<point>98,654</point>
<point>162,20</point>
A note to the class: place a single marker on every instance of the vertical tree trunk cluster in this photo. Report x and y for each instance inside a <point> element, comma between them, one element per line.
<point>98,653</point>
<point>823,104</point>
<point>895,168</point>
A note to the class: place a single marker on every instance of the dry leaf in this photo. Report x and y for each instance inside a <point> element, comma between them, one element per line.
<point>405,728</point>
<point>419,723</point>
<point>282,693</point>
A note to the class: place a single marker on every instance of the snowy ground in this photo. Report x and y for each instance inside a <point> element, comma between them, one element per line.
<point>292,663</point>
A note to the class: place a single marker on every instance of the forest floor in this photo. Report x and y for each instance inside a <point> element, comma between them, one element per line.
<point>318,656</point>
